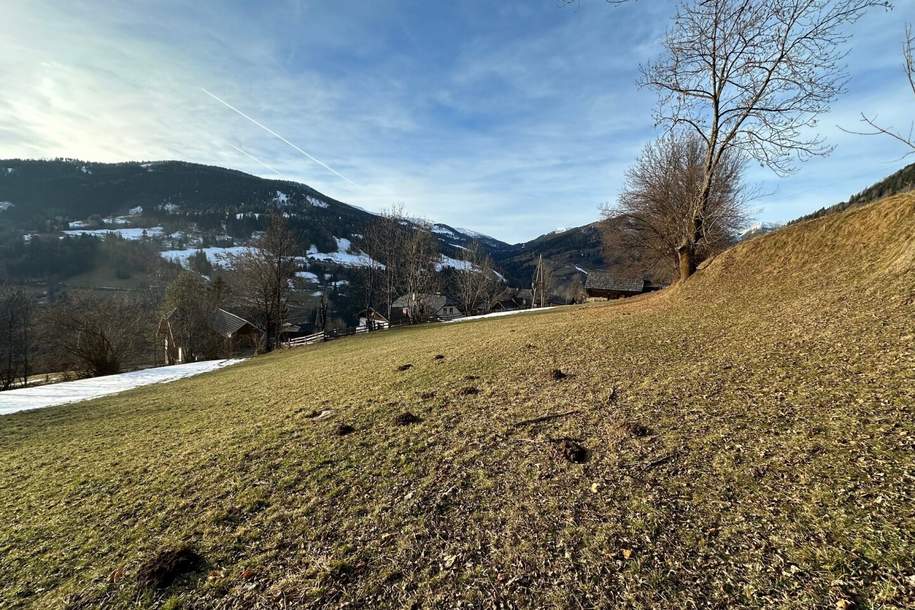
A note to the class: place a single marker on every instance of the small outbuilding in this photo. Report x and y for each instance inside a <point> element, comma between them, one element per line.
<point>369,319</point>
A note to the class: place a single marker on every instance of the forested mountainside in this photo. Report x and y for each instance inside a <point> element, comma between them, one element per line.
<point>60,195</point>
<point>176,208</point>
<point>899,182</point>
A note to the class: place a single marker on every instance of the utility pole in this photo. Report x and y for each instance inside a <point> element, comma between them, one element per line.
<point>538,287</point>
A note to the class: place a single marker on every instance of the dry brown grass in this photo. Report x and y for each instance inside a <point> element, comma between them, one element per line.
<point>749,442</point>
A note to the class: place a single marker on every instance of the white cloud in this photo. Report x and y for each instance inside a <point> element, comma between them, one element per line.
<point>507,120</point>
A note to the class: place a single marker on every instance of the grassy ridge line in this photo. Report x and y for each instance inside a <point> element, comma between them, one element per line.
<point>776,391</point>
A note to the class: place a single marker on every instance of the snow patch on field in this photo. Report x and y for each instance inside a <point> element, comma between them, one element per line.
<point>345,255</point>
<point>307,276</point>
<point>216,255</point>
<point>447,261</point>
<point>50,395</point>
<point>442,230</point>
<point>497,314</point>
<point>131,234</point>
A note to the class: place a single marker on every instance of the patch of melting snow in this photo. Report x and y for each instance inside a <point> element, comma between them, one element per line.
<point>447,261</point>
<point>443,230</point>
<point>12,401</point>
<point>498,314</point>
<point>345,255</point>
<point>307,275</point>
<point>215,255</point>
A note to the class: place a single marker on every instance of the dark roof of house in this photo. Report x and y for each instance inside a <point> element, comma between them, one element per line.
<point>598,280</point>
<point>431,302</point>
<point>512,294</point>
<point>227,324</point>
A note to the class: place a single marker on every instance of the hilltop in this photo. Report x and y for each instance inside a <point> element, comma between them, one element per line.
<point>743,440</point>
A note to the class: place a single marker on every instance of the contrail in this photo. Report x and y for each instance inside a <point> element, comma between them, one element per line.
<point>255,159</point>
<point>276,135</point>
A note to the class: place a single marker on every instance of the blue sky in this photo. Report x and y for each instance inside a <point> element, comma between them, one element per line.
<point>512,118</point>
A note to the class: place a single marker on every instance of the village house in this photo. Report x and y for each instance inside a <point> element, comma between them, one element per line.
<point>415,307</point>
<point>512,298</point>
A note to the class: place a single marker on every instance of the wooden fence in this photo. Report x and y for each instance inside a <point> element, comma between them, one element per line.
<point>326,336</point>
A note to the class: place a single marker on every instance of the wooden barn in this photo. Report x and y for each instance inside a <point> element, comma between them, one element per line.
<point>239,335</point>
<point>602,286</point>
<point>231,335</point>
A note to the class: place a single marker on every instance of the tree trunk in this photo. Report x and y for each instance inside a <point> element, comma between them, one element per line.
<point>686,256</point>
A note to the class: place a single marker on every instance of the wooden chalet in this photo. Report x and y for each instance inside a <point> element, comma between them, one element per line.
<point>420,307</point>
<point>513,298</point>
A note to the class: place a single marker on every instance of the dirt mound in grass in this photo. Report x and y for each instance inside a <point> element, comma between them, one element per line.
<point>169,565</point>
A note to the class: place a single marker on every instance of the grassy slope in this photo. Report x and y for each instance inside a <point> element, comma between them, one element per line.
<point>777,387</point>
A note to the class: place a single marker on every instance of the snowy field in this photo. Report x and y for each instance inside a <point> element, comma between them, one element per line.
<point>131,234</point>
<point>498,314</point>
<point>43,396</point>
<point>215,255</point>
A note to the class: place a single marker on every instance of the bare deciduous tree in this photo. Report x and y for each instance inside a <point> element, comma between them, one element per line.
<point>750,76</point>
<point>189,301</point>
<point>419,256</point>
<point>652,216</point>
<point>476,283</point>
<point>99,335</point>
<point>15,337</point>
<point>263,274</point>
<point>907,139</point>
<point>384,242</point>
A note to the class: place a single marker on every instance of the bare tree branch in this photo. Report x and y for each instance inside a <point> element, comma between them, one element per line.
<point>750,77</point>
<point>908,56</point>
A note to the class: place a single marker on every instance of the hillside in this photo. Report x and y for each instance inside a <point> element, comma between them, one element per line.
<point>744,440</point>
<point>570,251</point>
<point>180,206</point>
<point>898,182</point>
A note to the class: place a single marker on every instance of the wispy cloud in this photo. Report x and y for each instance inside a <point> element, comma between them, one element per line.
<point>511,118</point>
<point>277,136</point>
